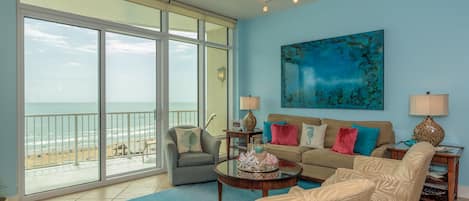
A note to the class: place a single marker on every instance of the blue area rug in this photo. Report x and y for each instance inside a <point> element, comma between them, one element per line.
<point>209,192</point>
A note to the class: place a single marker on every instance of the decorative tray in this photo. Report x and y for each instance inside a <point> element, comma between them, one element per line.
<point>263,170</point>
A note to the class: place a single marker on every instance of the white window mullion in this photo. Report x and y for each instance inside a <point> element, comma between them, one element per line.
<point>201,67</point>
<point>163,70</point>
<point>102,108</point>
<point>231,80</point>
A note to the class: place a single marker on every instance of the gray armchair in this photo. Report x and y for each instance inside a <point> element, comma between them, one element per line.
<point>191,167</point>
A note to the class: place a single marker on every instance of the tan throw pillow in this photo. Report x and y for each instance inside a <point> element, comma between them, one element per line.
<point>313,136</point>
<point>188,140</point>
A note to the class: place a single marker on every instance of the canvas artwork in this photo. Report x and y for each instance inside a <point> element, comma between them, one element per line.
<point>345,72</point>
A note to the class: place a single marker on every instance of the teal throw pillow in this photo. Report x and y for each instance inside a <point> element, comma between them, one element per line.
<point>267,133</point>
<point>366,140</point>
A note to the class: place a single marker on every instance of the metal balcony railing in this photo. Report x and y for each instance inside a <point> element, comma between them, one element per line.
<point>59,139</point>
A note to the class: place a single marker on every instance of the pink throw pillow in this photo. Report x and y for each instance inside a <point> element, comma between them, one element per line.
<point>345,140</point>
<point>284,134</point>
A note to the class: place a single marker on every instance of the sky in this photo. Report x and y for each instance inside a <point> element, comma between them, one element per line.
<point>62,65</point>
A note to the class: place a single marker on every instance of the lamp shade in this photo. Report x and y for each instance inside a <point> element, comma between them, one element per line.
<point>429,105</point>
<point>249,103</point>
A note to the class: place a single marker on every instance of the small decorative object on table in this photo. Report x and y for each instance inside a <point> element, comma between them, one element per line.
<point>252,162</point>
<point>258,147</point>
<point>410,142</point>
<point>236,125</point>
<point>243,134</point>
<point>429,105</point>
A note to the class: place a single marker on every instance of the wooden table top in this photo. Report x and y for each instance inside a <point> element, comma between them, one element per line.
<point>453,151</point>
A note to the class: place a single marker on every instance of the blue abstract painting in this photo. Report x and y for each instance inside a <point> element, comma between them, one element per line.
<point>345,72</point>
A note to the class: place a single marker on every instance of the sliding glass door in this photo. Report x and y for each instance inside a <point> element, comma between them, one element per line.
<point>131,134</point>
<point>64,111</point>
<point>61,83</point>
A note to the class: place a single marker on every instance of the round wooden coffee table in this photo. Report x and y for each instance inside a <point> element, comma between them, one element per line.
<point>286,176</point>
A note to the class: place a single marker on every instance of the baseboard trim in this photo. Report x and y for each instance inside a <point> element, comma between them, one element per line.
<point>463,192</point>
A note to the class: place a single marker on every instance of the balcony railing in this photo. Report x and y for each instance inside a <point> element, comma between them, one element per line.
<point>59,139</point>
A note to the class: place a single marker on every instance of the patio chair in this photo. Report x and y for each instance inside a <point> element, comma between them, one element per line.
<point>191,167</point>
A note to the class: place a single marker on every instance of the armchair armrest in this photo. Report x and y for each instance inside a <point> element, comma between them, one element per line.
<point>375,165</point>
<point>388,187</point>
<point>381,151</point>
<point>284,197</point>
<point>358,189</point>
<point>171,153</point>
<point>211,145</point>
<point>295,189</point>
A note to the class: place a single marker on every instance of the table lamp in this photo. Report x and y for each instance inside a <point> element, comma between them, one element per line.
<point>429,105</point>
<point>249,103</point>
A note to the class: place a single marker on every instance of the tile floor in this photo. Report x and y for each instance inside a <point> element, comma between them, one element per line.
<point>121,192</point>
<point>68,175</point>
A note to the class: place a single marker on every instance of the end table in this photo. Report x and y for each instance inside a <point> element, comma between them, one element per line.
<point>448,158</point>
<point>239,134</point>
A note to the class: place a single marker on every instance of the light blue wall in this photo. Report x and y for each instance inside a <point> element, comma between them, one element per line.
<point>426,49</point>
<point>8,150</point>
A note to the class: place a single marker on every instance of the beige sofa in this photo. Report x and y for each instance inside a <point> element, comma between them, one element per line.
<point>320,164</point>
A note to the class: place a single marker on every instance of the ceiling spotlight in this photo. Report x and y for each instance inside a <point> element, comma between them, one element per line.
<point>265,9</point>
<point>295,1</point>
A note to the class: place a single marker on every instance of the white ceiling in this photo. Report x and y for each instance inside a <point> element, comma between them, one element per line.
<point>242,9</point>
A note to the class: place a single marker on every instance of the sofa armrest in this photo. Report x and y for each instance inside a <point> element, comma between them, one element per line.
<point>375,165</point>
<point>211,145</point>
<point>171,153</point>
<point>381,151</point>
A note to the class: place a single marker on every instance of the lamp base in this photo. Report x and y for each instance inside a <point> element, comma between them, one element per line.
<point>429,131</point>
<point>249,121</point>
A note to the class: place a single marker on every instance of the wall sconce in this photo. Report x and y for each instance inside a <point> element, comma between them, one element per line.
<point>221,74</point>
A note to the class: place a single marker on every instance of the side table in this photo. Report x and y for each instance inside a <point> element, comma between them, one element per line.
<point>449,158</point>
<point>239,134</point>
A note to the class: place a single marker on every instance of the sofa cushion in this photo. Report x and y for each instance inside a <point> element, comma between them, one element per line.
<point>267,134</point>
<point>194,159</point>
<point>345,141</point>
<point>290,153</point>
<point>327,158</point>
<point>366,140</point>
<point>188,140</point>
<point>295,120</point>
<point>285,134</point>
<point>313,136</point>
<point>386,134</point>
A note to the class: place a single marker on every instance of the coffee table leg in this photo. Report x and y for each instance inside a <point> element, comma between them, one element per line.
<point>228,147</point>
<point>220,189</point>
<point>265,192</point>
